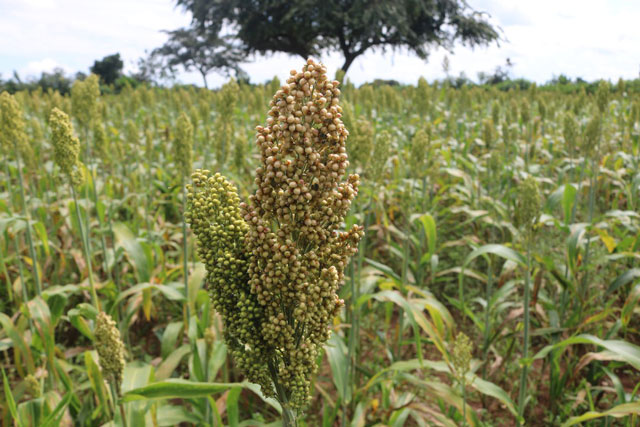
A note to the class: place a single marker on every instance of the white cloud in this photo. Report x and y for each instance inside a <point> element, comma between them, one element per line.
<point>46,65</point>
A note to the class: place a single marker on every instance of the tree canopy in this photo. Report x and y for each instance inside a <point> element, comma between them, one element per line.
<point>311,28</point>
<point>204,51</point>
<point>108,68</point>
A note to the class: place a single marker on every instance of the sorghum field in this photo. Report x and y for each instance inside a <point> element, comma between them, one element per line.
<point>162,262</point>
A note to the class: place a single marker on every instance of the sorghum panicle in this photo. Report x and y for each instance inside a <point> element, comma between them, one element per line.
<point>461,354</point>
<point>66,146</point>
<point>84,100</point>
<point>298,254</point>
<point>11,123</point>
<point>274,265</point>
<point>528,204</point>
<point>183,144</point>
<point>110,349</point>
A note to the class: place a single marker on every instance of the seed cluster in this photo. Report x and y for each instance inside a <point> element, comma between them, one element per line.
<point>528,204</point>
<point>275,264</point>
<point>110,349</point>
<point>84,100</point>
<point>11,123</point>
<point>66,146</point>
<point>214,216</point>
<point>183,144</point>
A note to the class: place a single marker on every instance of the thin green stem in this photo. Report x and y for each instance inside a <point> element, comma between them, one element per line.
<point>525,351</point>
<point>85,245</point>
<point>25,212</point>
<point>103,243</point>
<point>185,251</point>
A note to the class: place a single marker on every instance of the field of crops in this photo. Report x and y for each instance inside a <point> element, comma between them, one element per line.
<point>496,282</point>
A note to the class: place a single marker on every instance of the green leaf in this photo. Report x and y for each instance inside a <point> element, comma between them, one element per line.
<point>568,199</point>
<point>11,403</point>
<point>134,251</point>
<point>626,277</point>
<point>337,354</point>
<point>176,388</point>
<point>491,389</point>
<point>170,337</point>
<point>500,250</point>
<point>619,411</point>
<point>169,364</point>
<point>429,225</point>
<point>628,352</point>
<point>383,268</point>
<point>53,419</point>
<point>232,406</point>
<point>97,381</point>
<point>18,341</point>
<point>42,234</point>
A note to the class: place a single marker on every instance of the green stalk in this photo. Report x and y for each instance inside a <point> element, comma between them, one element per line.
<point>185,261</point>
<point>85,245</point>
<point>25,212</point>
<point>585,278</point>
<point>114,396</point>
<point>487,321</point>
<point>464,400</point>
<point>5,273</point>
<point>103,243</point>
<point>25,296</point>
<point>289,418</point>
<point>525,351</point>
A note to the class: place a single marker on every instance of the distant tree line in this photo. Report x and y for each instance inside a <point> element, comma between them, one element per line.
<point>150,72</point>
<point>109,69</point>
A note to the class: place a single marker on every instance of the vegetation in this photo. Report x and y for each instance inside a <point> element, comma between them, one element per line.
<point>351,27</point>
<point>496,281</point>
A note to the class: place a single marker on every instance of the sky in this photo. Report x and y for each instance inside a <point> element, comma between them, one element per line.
<point>591,39</point>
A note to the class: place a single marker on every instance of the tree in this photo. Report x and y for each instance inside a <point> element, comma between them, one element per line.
<point>310,28</point>
<point>192,48</point>
<point>108,68</point>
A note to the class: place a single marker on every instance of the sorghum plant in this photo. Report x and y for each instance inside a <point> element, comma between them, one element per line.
<point>110,350</point>
<point>224,128</point>
<point>274,264</point>
<point>66,148</point>
<point>526,215</point>
<point>14,138</point>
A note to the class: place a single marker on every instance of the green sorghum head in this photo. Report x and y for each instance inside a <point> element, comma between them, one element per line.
<point>528,204</point>
<point>12,133</point>
<point>110,349</point>
<point>100,141</point>
<point>570,131</point>
<point>33,386</point>
<point>381,152</point>
<point>84,100</point>
<point>591,137</point>
<point>602,96</point>
<point>132,135</point>
<point>183,143</point>
<point>227,98</point>
<point>419,151</point>
<point>488,133</point>
<point>361,142</point>
<point>66,146</point>
<point>461,354</point>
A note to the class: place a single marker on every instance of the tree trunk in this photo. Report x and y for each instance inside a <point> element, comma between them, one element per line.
<point>204,79</point>
<point>348,60</point>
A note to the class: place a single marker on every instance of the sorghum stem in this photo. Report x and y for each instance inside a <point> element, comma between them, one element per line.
<point>525,351</point>
<point>185,251</point>
<point>25,212</point>
<point>85,245</point>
